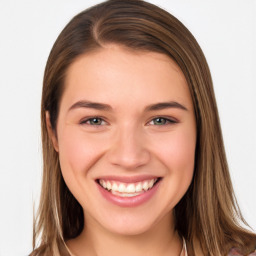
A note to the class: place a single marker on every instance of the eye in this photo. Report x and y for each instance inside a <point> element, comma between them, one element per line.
<point>161,121</point>
<point>96,121</point>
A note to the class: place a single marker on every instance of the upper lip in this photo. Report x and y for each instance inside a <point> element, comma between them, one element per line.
<point>128,179</point>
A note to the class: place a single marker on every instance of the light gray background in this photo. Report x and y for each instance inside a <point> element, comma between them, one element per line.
<point>226,31</point>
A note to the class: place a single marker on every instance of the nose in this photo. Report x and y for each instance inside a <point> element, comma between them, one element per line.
<point>128,149</point>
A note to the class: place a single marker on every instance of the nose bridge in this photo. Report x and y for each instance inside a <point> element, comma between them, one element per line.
<point>128,149</point>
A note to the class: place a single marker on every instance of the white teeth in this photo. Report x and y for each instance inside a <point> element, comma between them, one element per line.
<point>145,185</point>
<point>103,183</point>
<point>138,187</point>
<point>114,187</point>
<point>121,188</point>
<point>125,194</point>
<point>108,185</point>
<point>130,188</point>
<point>127,190</point>
<point>129,195</point>
<point>151,183</point>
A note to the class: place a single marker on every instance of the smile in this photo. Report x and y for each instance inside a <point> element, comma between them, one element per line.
<point>128,192</point>
<point>127,189</point>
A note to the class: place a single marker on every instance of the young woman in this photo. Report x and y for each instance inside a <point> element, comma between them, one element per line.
<point>134,162</point>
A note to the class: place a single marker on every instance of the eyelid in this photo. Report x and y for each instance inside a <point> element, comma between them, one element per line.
<point>170,120</point>
<point>87,119</point>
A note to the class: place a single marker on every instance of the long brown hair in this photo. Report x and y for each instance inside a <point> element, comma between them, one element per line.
<point>208,212</point>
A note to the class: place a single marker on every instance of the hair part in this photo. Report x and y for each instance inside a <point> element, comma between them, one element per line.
<point>208,212</point>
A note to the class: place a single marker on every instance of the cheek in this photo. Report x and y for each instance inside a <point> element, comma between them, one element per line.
<point>177,152</point>
<point>77,152</point>
<point>183,151</point>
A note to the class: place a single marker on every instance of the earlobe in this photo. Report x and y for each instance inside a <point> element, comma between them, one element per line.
<point>50,131</point>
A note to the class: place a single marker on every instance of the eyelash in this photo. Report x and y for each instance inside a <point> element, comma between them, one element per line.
<point>91,119</point>
<point>167,121</point>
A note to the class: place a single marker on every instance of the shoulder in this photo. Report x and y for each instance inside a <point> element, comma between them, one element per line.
<point>235,252</point>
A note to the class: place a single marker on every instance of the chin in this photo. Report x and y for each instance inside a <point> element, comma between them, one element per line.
<point>128,224</point>
<point>128,229</point>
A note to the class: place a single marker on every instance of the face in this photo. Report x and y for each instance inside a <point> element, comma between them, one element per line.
<point>126,138</point>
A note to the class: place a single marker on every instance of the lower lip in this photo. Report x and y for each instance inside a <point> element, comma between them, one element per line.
<point>129,201</point>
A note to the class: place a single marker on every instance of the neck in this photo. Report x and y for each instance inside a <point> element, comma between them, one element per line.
<point>161,239</point>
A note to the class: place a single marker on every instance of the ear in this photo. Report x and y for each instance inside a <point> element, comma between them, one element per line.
<point>50,131</point>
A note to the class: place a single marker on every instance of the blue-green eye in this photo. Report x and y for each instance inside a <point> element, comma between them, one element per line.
<point>94,121</point>
<point>161,121</point>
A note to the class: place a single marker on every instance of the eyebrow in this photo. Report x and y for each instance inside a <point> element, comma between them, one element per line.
<point>106,107</point>
<point>165,105</point>
<point>89,104</point>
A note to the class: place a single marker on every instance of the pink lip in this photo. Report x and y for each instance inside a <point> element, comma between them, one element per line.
<point>129,201</point>
<point>124,179</point>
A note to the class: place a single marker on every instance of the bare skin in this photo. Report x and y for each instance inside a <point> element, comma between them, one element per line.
<point>163,241</point>
<point>132,136</point>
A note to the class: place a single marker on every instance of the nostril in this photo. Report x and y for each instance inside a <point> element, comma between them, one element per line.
<point>128,149</point>
<point>129,159</point>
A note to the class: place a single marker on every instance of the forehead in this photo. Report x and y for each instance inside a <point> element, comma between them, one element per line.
<point>120,75</point>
